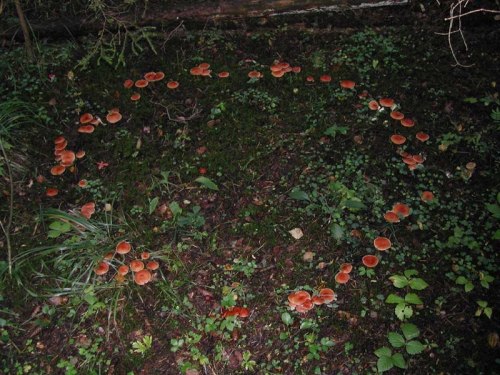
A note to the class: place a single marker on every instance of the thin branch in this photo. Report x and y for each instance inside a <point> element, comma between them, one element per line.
<point>6,228</point>
<point>471,12</point>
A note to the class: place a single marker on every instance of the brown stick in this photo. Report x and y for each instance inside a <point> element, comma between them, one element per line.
<point>26,31</point>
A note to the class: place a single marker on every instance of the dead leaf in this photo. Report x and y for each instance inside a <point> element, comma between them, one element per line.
<point>296,233</point>
<point>308,256</point>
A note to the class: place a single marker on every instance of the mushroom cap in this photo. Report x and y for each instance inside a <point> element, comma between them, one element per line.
<point>128,83</point>
<point>310,79</point>
<point>150,76</point>
<point>51,192</point>
<point>244,312</point>
<point>346,84</point>
<point>386,102</point>
<point>159,76</point>
<point>298,298</point>
<point>86,118</point>
<point>172,85</point>
<point>278,74</point>
<point>419,159</point>
<point>113,117</point>
<point>82,183</point>
<point>61,146</point>
<point>346,267</point>
<point>342,277</point>
<point>141,83</point>
<point>373,105</point>
<point>370,261</point>
<point>391,217</point>
<point>296,69</point>
<point>427,196</point>
<point>67,158</point>
<point>401,209</point>
<point>254,74</point>
<point>86,129</point>
<point>80,154</point>
<point>102,268</point>
<point>57,170</point>
<point>422,137</point>
<point>123,270</point>
<point>327,294</point>
<point>317,300</point>
<point>407,122</point>
<point>123,247</point>
<point>325,78</point>
<point>398,139</point>
<point>152,265</point>
<point>136,265</point>
<point>142,277</point>
<point>396,115</point>
<point>223,74</point>
<point>382,243</point>
<point>204,66</point>
<point>88,210</point>
<point>145,255</point>
<point>135,96</point>
<point>196,71</point>
<point>59,140</point>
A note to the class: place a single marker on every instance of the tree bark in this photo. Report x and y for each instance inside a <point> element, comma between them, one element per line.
<point>26,32</point>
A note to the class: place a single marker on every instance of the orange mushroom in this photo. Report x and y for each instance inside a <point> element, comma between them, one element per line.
<point>136,265</point>
<point>204,66</point>
<point>113,117</point>
<point>398,139</point>
<point>145,255</point>
<point>80,154</point>
<point>296,69</point>
<point>396,115</point>
<point>57,170</point>
<point>254,74</point>
<point>223,74</point>
<point>386,102</point>
<point>370,261</point>
<point>86,118</point>
<point>196,71</point>
<point>407,122</point>
<point>422,137</point>
<point>86,129</point>
<point>342,277</point>
<point>128,83</point>
<point>347,84</point>
<point>123,270</point>
<point>373,105</point>
<point>298,298</point>
<point>51,192</point>
<point>102,268</point>
<point>346,267</point>
<point>150,76</point>
<point>135,96</point>
<point>310,79</point>
<point>391,217</point>
<point>123,247</point>
<point>152,265</point>
<point>142,277</point>
<point>172,85</point>
<point>382,243</point>
<point>325,78</point>
<point>59,140</point>
<point>141,83</point>
<point>159,76</point>
<point>67,158</point>
<point>401,209</point>
<point>82,183</point>
<point>327,294</point>
<point>427,196</point>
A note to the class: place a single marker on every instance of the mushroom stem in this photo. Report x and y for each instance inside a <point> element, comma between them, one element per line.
<point>6,228</point>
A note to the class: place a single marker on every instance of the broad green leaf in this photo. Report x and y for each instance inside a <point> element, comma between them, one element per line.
<point>175,208</point>
<point>418,284</point>
<point>60,226</point>
<point>399,360</point>
<point>299,195</point>
<point>410,331</point>
<point>494,209</point>
<point>414,299</point>
<point>53,234</point>
<point>399,281</point>
<point>414,347</point>
<point>468,286</point>
<point>286,318</point>
<point>488,312</point>
<point>396,340</point>
<point>208,183</point>
<point>152,204</point>
<point>471,100</point>
<point>496,235</point>
<point>483,304</point>
<point>392,298</point>
<point>306,324</point>
<point>410,273</point>
<point>383,351</point>
<point>460,280</point>
<point>384,363</point>
<point>354,204</point>
<point>403,311</point>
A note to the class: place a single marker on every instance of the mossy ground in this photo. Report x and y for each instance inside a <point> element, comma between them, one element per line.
<point>264,138</point>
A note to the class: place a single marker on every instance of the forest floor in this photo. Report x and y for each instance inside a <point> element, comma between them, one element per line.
<point>245,191</point>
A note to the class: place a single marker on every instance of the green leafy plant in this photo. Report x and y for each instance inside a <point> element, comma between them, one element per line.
<point>387,359</point>
<point>143,346</point>
<point>403,308</point>
<point>484,309</point>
